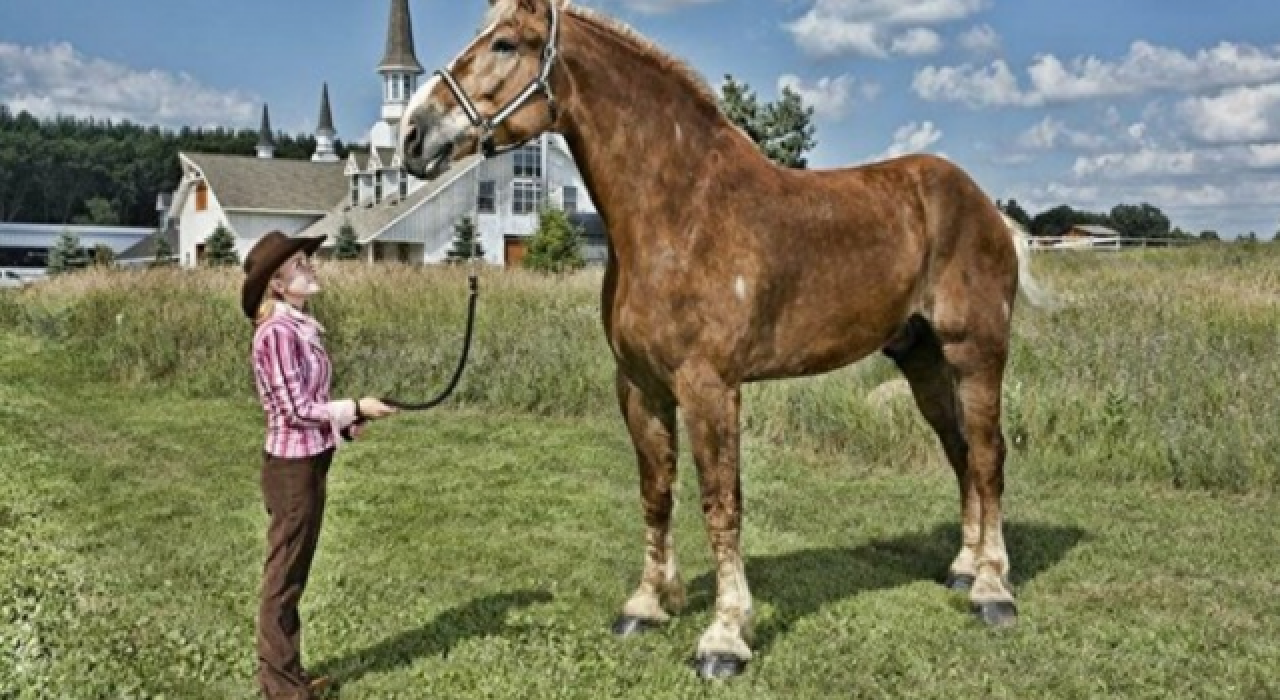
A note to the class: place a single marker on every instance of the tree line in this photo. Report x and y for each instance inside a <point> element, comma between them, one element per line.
<point>1129,220</point>
<point>68,170</point>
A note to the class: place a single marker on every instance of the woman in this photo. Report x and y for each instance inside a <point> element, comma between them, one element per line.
<point>292,373</point>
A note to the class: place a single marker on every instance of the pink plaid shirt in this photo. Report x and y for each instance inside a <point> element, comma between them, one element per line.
<point>292,372</point>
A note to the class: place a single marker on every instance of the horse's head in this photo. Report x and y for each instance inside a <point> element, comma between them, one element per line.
<point>494,96</point>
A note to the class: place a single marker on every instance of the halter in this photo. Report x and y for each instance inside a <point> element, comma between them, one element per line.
<point>488,125</point>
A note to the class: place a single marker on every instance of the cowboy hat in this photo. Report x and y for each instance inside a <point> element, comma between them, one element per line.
<point>267,255</point>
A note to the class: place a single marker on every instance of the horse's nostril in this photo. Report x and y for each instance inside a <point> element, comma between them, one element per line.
<point>413,142</point>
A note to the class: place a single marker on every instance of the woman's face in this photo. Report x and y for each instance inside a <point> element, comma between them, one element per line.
<point>296,279</point>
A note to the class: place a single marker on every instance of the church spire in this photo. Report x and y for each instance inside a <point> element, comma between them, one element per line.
<point>399,69</point>
<point>266,143</point>
<point>399,55</point>
<point>325,132</point>
<point>325,123</point>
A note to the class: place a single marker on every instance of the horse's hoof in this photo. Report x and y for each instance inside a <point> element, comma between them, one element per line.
<point>626,625</point>
<point>959,582</point>
<point>999,613</point>
<point>717,666</point>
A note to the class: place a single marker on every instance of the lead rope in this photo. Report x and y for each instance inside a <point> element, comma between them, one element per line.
<point>473,284</point>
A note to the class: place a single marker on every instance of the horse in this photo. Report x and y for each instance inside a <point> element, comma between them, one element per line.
<point>724,268</point>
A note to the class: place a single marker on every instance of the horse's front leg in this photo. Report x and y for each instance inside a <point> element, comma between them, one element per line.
<point>651,422</point>
<point>711,409</point>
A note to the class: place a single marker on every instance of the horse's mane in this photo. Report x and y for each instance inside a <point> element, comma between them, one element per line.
<point>507,9</point>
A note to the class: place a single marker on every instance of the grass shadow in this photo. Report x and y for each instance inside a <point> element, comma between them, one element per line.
<point>799,584</point>
<point>481,617</point>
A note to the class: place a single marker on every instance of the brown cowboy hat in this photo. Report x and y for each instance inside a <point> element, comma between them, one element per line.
<point>266,256</point>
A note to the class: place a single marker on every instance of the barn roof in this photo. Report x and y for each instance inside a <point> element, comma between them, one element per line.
<point>271,184</point>
<point>1095,230</point>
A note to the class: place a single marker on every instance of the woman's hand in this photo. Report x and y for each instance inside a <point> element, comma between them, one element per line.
<point>372,408</point>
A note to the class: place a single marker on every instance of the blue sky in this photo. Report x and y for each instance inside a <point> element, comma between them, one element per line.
<point>1083,102</point>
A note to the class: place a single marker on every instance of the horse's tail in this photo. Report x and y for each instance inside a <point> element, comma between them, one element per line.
<point>1037,295</point>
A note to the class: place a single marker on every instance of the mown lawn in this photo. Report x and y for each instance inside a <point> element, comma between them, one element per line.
<point>468,554</point>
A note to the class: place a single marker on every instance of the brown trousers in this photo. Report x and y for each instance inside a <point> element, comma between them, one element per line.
<point>294,493</point>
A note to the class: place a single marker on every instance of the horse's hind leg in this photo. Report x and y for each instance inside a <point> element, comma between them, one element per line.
<point>978,362</point>
<point>919,355</point>
<point>651,423</point>
<point>956,378</point>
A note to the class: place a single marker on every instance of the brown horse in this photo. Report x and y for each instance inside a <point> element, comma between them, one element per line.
<point>725,269</point>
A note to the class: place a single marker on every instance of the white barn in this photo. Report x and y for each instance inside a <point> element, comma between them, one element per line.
<point>395,215</point>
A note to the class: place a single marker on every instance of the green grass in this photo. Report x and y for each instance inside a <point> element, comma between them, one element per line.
<point>1162,369</point>
<point>482,552</point>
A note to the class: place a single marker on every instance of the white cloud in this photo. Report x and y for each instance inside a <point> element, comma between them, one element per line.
<point>1155,163</point>
<point>829,97</point>
<point>877,28</point>
<point>1049,134</point>
<point>916,42</point>
<point>1144,68</point>
<point>57,79</point>
<point>980,39</point>
<point>913,137</point>
<point>1237,114</point>
<point>994,85</point>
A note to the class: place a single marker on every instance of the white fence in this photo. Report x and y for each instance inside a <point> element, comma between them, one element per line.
<point>1105,242</point>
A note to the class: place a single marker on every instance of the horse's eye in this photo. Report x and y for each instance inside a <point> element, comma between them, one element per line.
<point>503,46</point>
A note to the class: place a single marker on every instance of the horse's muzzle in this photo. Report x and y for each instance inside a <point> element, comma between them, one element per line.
<point>425,153</point>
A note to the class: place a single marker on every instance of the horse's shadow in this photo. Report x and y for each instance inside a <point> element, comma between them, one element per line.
<point>481,617</point>
<point>799,583</point>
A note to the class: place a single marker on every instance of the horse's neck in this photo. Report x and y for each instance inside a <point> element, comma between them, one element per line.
<point>642,137</point>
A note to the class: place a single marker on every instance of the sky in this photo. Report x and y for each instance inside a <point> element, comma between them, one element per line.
<point>1089,103</point>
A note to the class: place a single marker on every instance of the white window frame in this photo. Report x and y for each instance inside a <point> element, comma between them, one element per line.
<point>521,191</point>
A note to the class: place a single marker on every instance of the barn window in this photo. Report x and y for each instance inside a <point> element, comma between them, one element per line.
<point>202,197</point>
<point>528,161</point>
<point>570,199</point>
<point>487,197</point>
<point>525,197</point>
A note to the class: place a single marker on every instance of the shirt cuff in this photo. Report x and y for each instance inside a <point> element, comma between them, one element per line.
<point>342,413</point>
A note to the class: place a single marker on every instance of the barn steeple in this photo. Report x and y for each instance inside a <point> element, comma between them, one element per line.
<point>325,133</point>
<point>399,67</point>
<point>266,143</point>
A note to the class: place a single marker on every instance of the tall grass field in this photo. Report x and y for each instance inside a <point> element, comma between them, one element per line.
<point>481,550</point>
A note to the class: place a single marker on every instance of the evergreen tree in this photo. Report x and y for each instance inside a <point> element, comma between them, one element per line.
<point>465,237</point>
<point>347,246</point>
<point>163,251</point>
<point>782,130</point>
<point>220,249</point>
<point>103,256</point>
<point>556,246</point>
<point>66,254</point>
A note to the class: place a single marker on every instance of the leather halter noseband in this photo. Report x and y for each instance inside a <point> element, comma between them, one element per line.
<point>488,125</point>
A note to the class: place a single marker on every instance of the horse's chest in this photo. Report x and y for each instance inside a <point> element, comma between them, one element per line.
<point>638,334</point>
